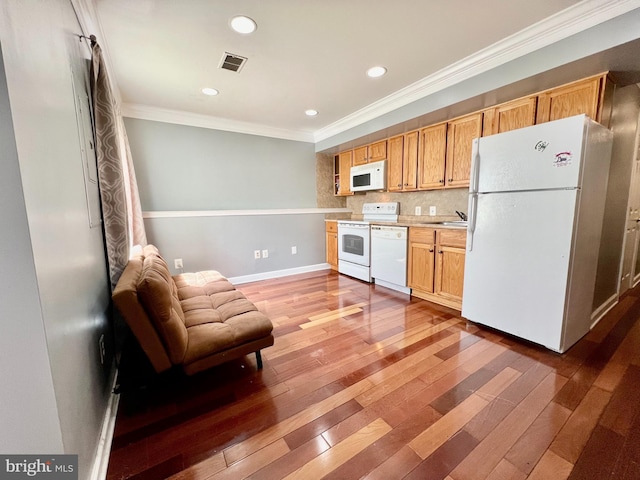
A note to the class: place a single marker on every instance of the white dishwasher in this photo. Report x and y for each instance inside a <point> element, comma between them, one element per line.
<point>389,257</point>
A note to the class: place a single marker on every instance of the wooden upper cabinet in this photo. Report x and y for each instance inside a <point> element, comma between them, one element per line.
<point>370,153</point>
<point>432,154</point>
<point>360,155</point>
<point>585,96</point>
<point>510,116</point>
<point>395,146</point>
<point>460,135</point>
<point>378,151</point>
<point>402,156</point>
<point>410,161</point>
<point>345,161</point>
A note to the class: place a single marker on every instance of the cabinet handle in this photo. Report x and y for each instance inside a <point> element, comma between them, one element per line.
<point>451,179</point>
<point>431,249</point>
<point>440,251</point>
<point>440,181</point>
<point>399,184</point>
<point>406,184</point>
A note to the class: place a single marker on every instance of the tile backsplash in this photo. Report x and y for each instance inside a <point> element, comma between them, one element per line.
<point>445,201</point>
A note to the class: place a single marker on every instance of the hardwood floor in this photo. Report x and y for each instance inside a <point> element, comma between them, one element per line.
<point>363,382</point>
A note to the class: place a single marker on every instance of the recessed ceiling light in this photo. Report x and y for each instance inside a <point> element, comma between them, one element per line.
<point>210,91</point>
<point>374,72</point>
<point>242,24</point>
<point>311,112</point>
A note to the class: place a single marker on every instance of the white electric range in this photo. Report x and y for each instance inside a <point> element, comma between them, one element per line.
<point>354,239</point>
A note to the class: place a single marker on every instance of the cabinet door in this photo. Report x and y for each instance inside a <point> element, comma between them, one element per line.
<point>573,99</point>
<point>449,272</point>
<point>377,151</point>
<point>360,155</point>
<point>345,173</point>
<point>332,249</point>
<point>394,163</point>
<point>421,266</point>
<point>432,156</point>
<point>509,116</point>
<point>460,135</point>
<point>410,161</point>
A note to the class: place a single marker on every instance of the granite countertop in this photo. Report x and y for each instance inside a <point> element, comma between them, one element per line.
<point>410,221</point>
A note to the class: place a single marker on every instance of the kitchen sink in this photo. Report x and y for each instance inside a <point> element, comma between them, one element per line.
<point>455,223</point>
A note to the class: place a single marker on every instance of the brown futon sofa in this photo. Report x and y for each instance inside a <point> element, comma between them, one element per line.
<point>193,320</point>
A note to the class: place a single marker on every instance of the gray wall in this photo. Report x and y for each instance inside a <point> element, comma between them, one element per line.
<point>193,169</point>
<point>624,123</point>
<point>54,389</point>
<point>190,168</point>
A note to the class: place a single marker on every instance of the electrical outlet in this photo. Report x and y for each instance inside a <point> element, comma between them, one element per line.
<point>102,350</point>
<point>256,254</point>
<point>294,250</point>
<point>432,210</point>
<point>177,263</point>
<point>418,210</point>
<point>265,253</point>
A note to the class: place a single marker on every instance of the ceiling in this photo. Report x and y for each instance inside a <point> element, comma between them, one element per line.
<point>304,54</point>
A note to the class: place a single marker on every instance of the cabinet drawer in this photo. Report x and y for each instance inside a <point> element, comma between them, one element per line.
<point>422,235</point>
<point>331,227</point>
<point>452,238</point>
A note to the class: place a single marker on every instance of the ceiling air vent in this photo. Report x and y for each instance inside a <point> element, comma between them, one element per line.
<point>232,62</point>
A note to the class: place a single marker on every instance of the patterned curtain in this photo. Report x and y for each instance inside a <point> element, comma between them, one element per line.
<point>121,212</point>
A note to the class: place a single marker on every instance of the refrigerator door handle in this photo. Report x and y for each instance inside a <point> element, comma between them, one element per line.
<point>471,227</point>
<point>475,167</point>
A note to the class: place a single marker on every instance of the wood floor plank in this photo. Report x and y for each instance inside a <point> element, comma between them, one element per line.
<point>202,470</point>
<point>340,453</point>
<point>506,471</point>
<point>623,407</point>
<point>574,435</point>
<point>486,456</point>
<point>396,466</point>
<point>286,464</point>
<point>445,428</point>
<point>253,463</point>
<point>242,449</point>
<point>530,447</point>
<point>551,466</point>
<point>444,459</point>
<point>626,354</point>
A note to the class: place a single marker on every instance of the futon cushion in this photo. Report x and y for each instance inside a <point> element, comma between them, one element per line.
<point>207,282</point>
<point>213,337</point>
<point>157,293</point>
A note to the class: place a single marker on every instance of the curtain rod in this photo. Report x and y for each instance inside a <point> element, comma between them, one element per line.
<point>91,38</point>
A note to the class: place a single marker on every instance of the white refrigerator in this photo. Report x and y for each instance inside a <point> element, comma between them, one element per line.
<point>536,205</point>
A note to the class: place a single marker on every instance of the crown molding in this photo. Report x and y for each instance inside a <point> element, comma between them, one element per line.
<point>146,112</point>
<point>570,21</point>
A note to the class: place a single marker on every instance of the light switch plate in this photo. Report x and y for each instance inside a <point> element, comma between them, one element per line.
<point>432,210</point>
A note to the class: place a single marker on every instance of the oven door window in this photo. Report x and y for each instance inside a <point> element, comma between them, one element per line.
<point>353,244</point>
<point>363,180</point>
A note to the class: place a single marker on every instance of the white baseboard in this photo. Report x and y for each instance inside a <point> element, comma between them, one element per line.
<point>101,460</point>
<point>603,309</point>
<point>278,273</point>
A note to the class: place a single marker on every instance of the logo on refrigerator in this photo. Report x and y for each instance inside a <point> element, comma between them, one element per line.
<point>540,146</point>
<point>563,159</point>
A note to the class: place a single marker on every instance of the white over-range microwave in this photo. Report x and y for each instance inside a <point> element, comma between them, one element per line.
<point>371,176</point>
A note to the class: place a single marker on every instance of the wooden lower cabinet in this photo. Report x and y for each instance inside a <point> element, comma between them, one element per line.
<point>331,229</point>
<point>436,264</point>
